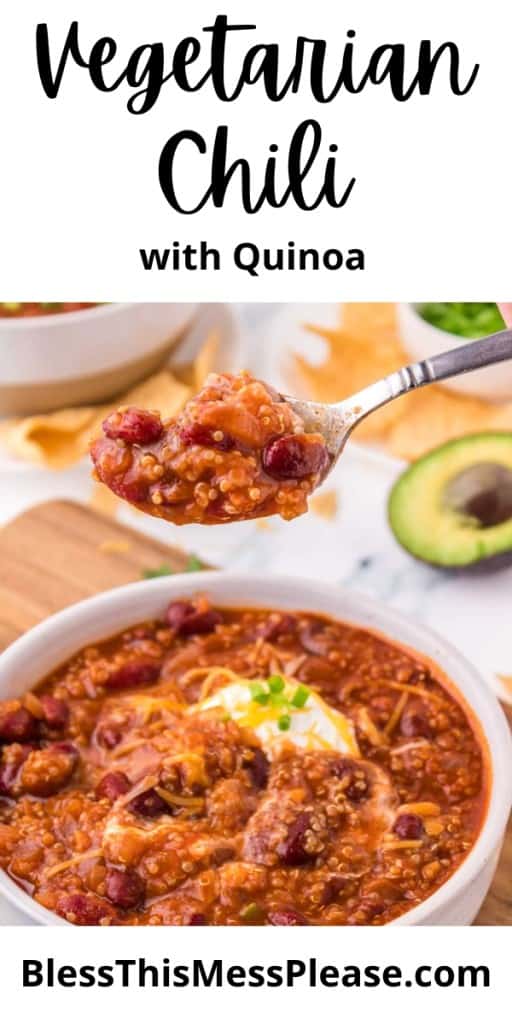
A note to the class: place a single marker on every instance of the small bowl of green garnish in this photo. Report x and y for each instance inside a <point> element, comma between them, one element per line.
<point>430,327</point>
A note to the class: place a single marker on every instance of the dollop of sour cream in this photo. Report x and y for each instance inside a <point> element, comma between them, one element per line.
<point>313,726</point>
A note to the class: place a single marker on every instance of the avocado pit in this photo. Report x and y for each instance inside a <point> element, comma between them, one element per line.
<point>481,493</point>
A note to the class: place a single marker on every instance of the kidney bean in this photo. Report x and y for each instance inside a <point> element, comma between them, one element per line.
<point>201,622</point>
<point>222,854</point>
<point>197,433</point>
<point>358,787</point>
<point>82,908</point>
<point>286,917</point>
<point>292,851</point>
<point>126,889</point>
<point>408,826</point>
<point>149,804</point>
<point>131,490</point>
<point>275,626</point>
<point>187,620</point>
<point>196,919</point>
<point>17,726</point>
<point>415,723</point>
<point>294,456</point>
<point>257,764</point>
<point>133,673</point>
<point>113,785</point>
<point>177,612</point>
<point>135,426</point>
<point>55,712</point>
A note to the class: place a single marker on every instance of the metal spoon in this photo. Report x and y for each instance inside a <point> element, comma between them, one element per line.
<point>336,422</point>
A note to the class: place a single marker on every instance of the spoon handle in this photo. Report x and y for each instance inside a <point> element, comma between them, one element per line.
<point>495,348</point>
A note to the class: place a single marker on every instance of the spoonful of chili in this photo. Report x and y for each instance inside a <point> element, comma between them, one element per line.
<point>240,450</point>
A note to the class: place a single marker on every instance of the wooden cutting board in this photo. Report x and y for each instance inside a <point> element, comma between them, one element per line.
<point>60,552</point>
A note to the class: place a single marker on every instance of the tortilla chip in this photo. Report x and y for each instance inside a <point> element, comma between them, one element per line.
<point>52,439</point>
<point>195,373</point>
<point>324,504</point>
<point>354,360</point>
<point>58,439</point>
<point>204,362</point>
<point>434,416</point>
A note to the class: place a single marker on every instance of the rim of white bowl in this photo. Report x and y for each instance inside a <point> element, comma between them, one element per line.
<point>302,593</point>
<point>17,323</point>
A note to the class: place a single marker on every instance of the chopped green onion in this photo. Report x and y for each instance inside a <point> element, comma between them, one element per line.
<point>284,723</point>
<point>466,319</point>
<point>161,570</point>
<point>193,564</point>
<point>261,698</point>
<point>255,690</point>
<point>252,912</point>
<point>300,697</point>
<point>278,700</point>
<point>275,684</point>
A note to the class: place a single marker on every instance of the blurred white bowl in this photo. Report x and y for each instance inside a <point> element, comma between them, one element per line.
<point>422,340</point>
<point>47,362</point>
<point>52,642</point>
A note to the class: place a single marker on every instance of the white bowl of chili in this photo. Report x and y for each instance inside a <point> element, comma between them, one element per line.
<point>457,900</point>
<point>61,359</point>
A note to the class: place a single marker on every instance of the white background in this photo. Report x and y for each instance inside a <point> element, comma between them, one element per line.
<point>79,191</point>
<point>406,947</point>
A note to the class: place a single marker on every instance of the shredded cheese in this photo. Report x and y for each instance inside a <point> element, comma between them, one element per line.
<point>63,865</point>
<point>193,803</point>
<point>371,731</point>
<point>402,844</point>
<point>397,713</point>
<point>433,827</point>
<point>141,786</point>
<point>425,809</point>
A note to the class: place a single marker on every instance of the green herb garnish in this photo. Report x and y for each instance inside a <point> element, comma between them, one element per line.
<point>466,319</point>
<point>258,693</point>
<point>262,698</point>
<point>161,570</point>
<point>193,565</point>
<point>300,697</point>
<point>251,912</point>
<point>275,684</point>
<point>272,691</point>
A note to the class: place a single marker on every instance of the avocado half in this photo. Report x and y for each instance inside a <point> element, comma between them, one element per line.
<point>453,507</point>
